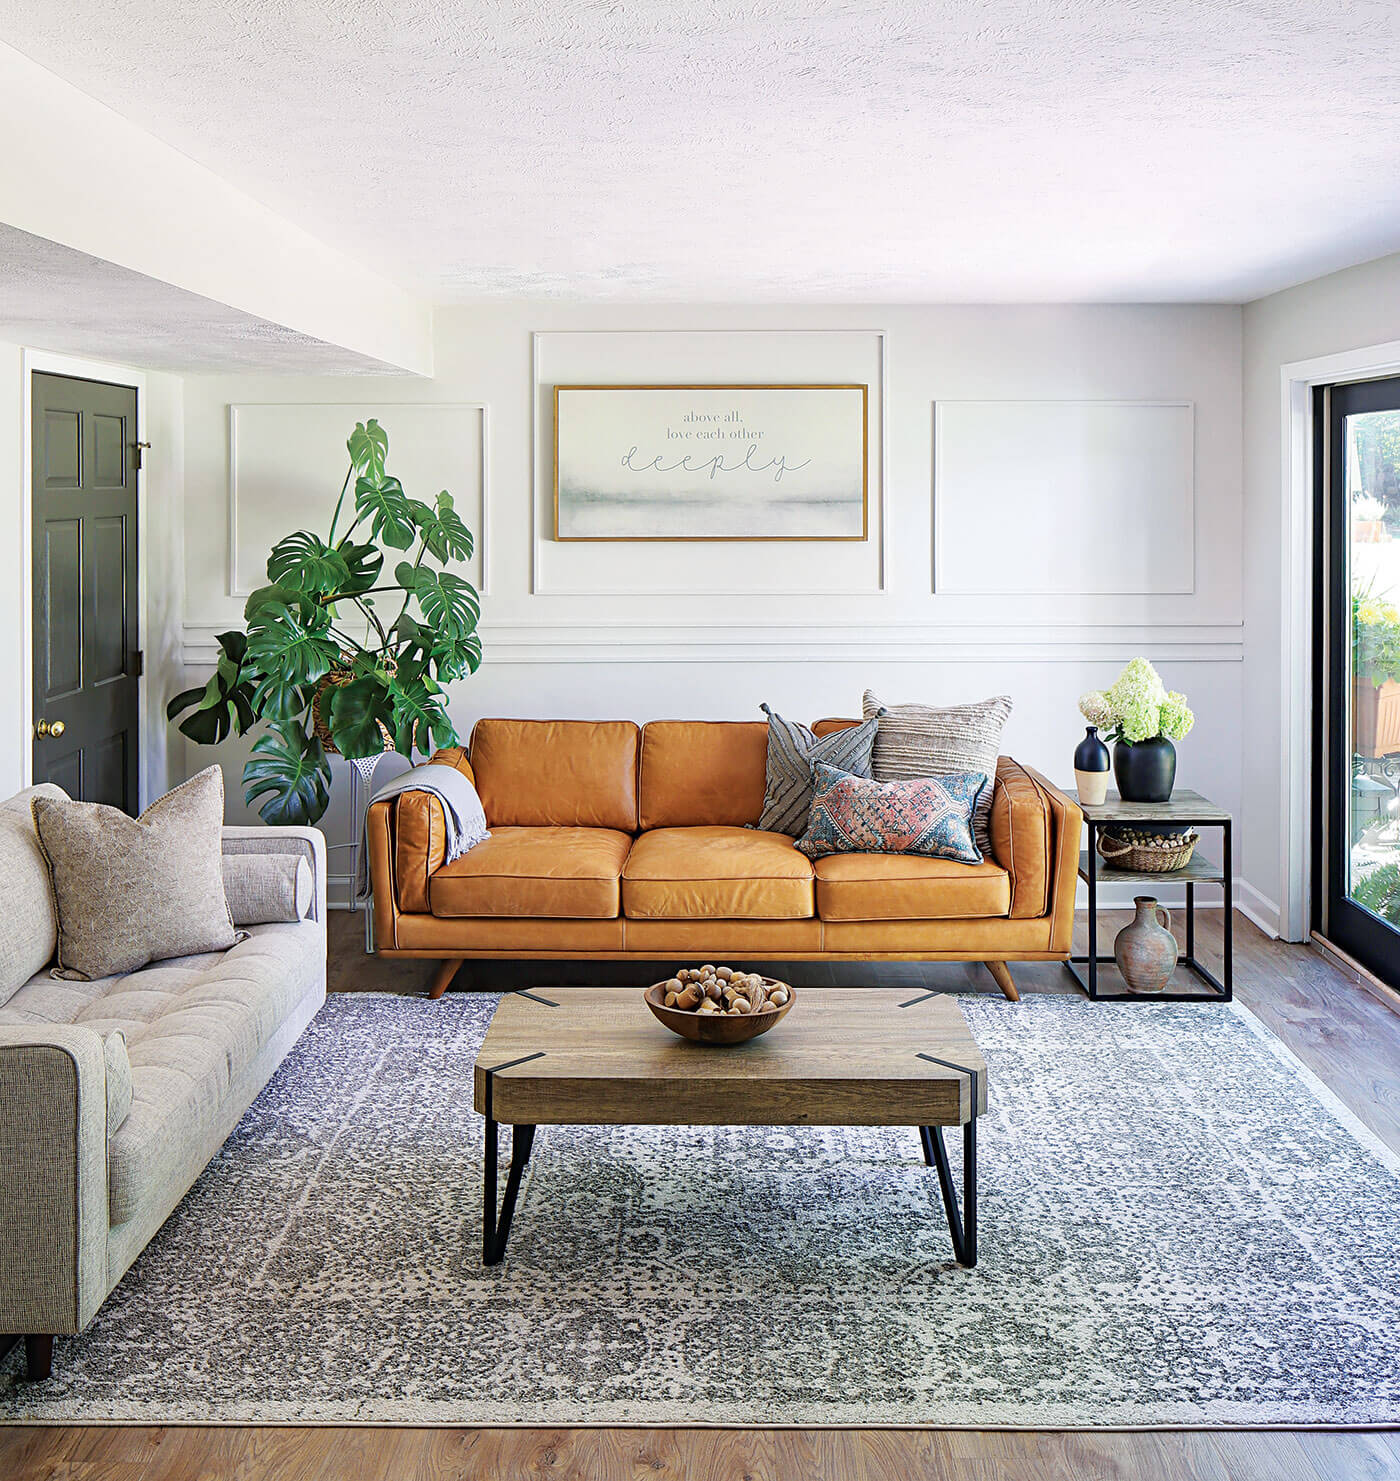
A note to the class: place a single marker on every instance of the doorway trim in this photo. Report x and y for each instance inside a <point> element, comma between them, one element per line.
<point>1298,380</point>
<point>46,362</point>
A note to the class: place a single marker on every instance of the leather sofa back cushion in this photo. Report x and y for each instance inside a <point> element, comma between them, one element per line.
<point>698,773</point>
<point>557,773</point>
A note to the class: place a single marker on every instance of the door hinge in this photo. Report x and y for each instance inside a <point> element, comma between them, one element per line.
<point>138,663</point>
<point>140,461</point>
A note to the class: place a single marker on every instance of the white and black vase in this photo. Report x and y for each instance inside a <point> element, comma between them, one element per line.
<point>1145,770</point>
<point>1091,768</point>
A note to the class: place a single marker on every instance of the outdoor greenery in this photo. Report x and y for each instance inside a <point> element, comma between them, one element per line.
<point>1375,638</point>
<point>1380,891</point>
<point>1138,707</point>
<point>323,643</point>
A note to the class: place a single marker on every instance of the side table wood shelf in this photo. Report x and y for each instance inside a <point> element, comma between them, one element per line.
<point>1184,810</point>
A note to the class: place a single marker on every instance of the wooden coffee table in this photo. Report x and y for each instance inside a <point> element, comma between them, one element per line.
<point>842,1057</point>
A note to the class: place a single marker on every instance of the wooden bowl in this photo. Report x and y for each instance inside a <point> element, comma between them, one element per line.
<point>716,1028</point>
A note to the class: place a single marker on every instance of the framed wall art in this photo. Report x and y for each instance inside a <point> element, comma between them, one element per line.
<point>711,462</point>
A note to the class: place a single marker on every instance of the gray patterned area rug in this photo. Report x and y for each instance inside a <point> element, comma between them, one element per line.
<point>1179,1226</point>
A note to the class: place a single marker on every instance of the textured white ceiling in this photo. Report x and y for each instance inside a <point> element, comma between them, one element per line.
<point>53,298</point>
<point>772,149</point>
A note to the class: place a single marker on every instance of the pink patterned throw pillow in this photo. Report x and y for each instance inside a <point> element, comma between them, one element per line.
<point>927,815</point>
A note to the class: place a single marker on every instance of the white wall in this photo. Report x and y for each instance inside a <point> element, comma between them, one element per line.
<point>1344,311</point>
<point>645,656</point>
<point>14,557</point>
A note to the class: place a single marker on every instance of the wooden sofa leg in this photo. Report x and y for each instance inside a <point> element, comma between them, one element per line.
<point>442,978</point>
<point>38,1356</point>
<point>1002,973</point>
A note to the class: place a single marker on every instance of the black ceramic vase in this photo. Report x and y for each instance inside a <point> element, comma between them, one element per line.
<point>1091,768</point>
<point>1145,771</point>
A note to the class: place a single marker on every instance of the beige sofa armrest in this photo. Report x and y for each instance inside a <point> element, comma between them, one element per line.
<point>310,843</point>
<point>53,1178</point>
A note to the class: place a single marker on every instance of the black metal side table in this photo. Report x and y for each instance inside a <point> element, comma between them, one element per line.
<point>1184,810</point>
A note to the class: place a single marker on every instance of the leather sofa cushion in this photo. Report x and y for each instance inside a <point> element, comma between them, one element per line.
<point>557,773</point>
<point>875,887</point>
<point>569,873</point>
<point>698,772</point>
<point>713,872</point>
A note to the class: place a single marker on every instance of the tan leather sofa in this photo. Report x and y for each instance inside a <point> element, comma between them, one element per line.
<point>611,840</point>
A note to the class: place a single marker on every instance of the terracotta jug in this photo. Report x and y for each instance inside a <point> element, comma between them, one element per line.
<point>1145,948</point>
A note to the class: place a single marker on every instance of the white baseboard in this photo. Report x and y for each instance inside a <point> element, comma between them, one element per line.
<point>1257,907</point>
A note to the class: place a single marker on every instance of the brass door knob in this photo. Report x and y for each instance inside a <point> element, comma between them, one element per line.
<point>49,729</point>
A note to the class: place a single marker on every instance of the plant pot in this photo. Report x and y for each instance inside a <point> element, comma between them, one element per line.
<point>1145,770</point>
<point>1091,768</point>
<point>1375,712</point>
<point>1145,949</point>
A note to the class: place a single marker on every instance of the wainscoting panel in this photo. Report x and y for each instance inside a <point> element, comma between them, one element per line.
<point>1046,498</point>
<point>697,357</point>
<point>281,456</point>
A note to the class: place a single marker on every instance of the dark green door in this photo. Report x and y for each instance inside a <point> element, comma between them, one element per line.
<point>86,645</point>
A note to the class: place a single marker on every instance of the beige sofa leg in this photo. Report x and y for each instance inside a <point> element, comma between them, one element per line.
<point>1002,973</point>
<point>442,978</point>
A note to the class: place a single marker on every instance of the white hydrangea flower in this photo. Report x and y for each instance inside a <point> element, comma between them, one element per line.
<point>1137,696</point>
<point>1176,716</point>
<point>1096,709</point>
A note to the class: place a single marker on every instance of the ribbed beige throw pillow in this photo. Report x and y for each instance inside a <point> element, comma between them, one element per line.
<point>135,890</point>
<point>915,740</point>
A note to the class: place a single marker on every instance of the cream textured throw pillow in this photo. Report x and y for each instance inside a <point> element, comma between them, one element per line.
<point>933,740</point>
<point>134,890</point>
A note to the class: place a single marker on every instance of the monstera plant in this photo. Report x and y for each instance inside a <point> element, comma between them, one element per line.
<point>334,655</point>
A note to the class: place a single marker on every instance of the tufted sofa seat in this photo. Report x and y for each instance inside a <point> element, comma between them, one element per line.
<point>611,839</point>
<point>80,1199</point>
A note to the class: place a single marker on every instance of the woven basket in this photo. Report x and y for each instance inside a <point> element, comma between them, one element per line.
<point>336,679</point>
<point>1156,856</point>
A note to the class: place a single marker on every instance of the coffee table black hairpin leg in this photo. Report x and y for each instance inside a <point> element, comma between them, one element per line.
<point>495,1227</point>
<point>961,1227</point>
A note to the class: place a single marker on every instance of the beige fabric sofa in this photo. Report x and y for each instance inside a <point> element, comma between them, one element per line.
<point>203,1036</point>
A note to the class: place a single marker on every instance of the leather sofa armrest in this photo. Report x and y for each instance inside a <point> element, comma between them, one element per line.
<point>53,1190</point>
<point>1035,830</point>
<point>413,833</point>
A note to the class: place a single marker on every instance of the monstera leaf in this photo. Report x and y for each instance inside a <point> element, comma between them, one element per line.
<point>448,603</point>
<point>386,505</point>
<point>363,564</point>
<point>456,660</point>
<point>289,654</point>
<point>354,715</point>
<point>224,706</point>
<point>441,529</point>
<point>418,718</point>
<point>368,446</point>
<point>288,768</point>
<point>278,603</point>
<point>304,562</point>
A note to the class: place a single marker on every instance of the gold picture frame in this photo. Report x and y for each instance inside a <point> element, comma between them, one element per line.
<point>846,501</point>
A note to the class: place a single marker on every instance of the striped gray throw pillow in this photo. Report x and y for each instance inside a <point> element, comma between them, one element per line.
<point>792,750</point>
<point>932,740</point>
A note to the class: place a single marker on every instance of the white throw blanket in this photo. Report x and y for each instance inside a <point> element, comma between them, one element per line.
<point>461,808</point>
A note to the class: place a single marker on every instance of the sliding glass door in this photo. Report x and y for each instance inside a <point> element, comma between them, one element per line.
<point>1357,853</point>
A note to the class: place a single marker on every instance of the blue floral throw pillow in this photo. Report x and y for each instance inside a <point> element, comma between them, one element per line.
<point>927,815</point>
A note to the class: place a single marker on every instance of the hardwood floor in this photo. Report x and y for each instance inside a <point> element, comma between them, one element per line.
<point>1346,1036</point>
